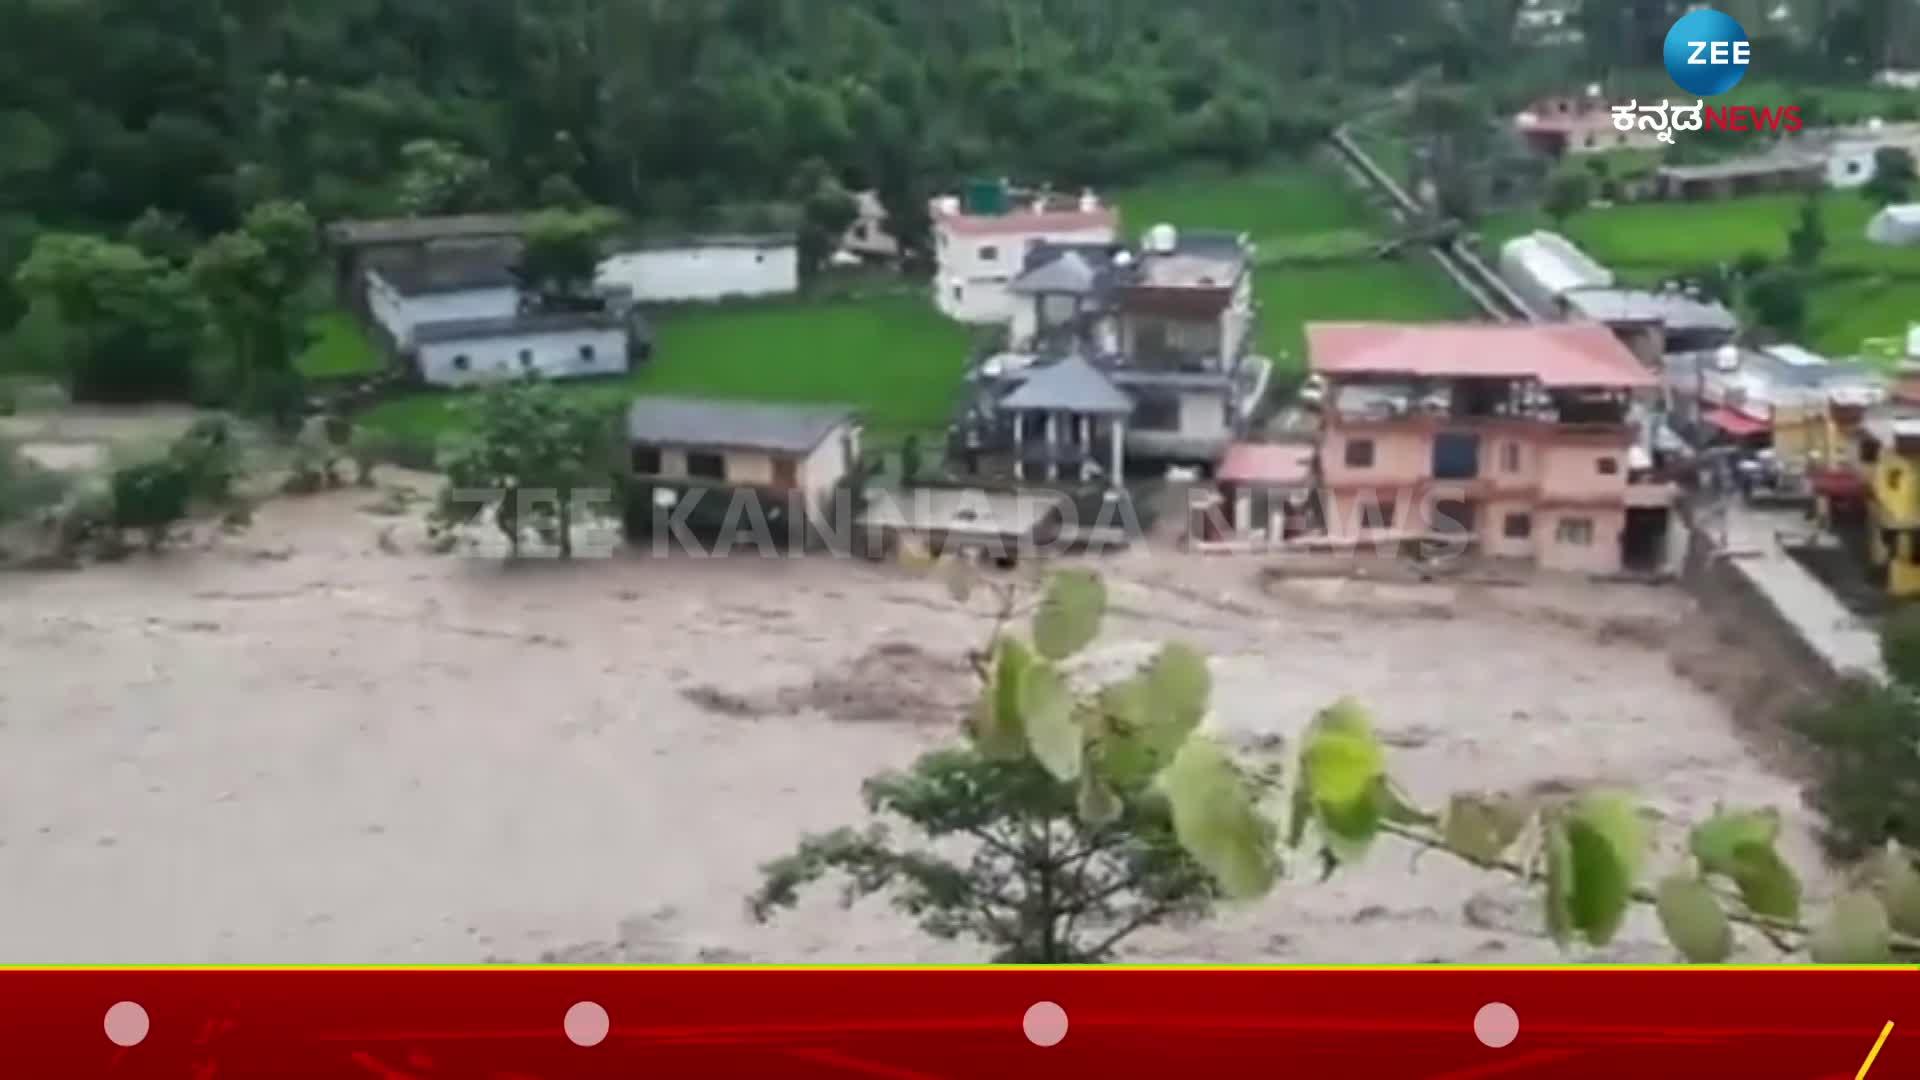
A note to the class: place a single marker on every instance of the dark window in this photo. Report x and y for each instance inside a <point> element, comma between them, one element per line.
<point>1375,514</point>
<point>1456,456</point>
<point>646,460</point>
<point>1913,549</point>
<point>1157,412</point>
<point>1608,466</point>
<point>707,466</point>
<point>526,357</point>
<point>1519,527</point>
<point>1869,451</point>
<point>586,354</point>
<point>461,363</point>
<point>1510,456</point>
<point>1359,453</point>
<point>1893,479</point>
<point>989,253</point>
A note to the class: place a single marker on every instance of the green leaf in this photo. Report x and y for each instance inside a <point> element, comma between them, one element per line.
<point>1179,686</point>
<point>997,727</point>
<point>1856,932</point>
<point>1558,853</point>
<point>1897,884</point>
<point>1607,841</point>
<point>1130,754</point>
<point>1054,733</point>
<point>1342,768</point>
<point>1716,841</point>
<point>1482,829</point>
<point>1767,884</point>
<point>1217,820</point>
<point>1098,804</point>
<point>1693,920</point>
<point>1070,613</point>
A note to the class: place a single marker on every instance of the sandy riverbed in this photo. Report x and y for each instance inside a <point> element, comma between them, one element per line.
<point>307,744</point>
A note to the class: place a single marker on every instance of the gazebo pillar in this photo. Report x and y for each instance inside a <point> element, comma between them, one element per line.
<point>1053,445</point>
<point>1119,450</point>
<point>1085,424</point>
<point>1019,444</point>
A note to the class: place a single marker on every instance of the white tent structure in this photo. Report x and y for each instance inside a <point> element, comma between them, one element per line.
<point>1896,226</point>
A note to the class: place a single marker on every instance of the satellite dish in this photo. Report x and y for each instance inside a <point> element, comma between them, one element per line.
<point>1726,357</point>
<point>1874,123</point>
<point>1593,90</point>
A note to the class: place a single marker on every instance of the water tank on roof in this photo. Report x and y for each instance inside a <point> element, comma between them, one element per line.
<point>988,197</point>
<point>1162,239</point>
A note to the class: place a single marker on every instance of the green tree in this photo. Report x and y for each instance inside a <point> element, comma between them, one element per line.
<point>441,178</point>
<point>532,455</point>
<point>1066,801</point>
<point>1893,175</point>
<point>253,279</point>
<point>1569,191</point>
<point>827,210</point>
<point>562,253</point>
<point>162,235</point>
<point>1778,299</point>
<point>1808,238</point>
<point>131,323</point>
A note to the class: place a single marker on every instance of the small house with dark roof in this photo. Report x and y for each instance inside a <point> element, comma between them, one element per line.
<point>788,459</point>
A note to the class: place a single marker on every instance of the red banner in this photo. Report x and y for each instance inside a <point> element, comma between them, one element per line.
<point>918,1024</point>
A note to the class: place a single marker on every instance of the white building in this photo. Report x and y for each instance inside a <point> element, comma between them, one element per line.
<point>1852,152</point>
<point>980,248</point>
<point>703,269</point>
<point>1896,226</point>
<point>569,345</point>
<point>403,298</point>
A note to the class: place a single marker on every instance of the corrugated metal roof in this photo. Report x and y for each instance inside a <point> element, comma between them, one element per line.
<point>1551,265</point>
<point>514,325</point>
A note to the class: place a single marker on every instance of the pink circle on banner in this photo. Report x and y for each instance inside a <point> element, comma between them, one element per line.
<point>587,1024</point>
<point>127,1024</point>
<point>1496,1025</point>
<point>1045,1023</point>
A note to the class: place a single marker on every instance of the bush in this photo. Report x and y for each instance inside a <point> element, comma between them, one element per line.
<point>151,496</point>
<point>208,455</point>
<point>25,487</point>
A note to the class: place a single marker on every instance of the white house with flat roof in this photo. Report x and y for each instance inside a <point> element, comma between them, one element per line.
<point>981,247</point>
<point>703,268</point>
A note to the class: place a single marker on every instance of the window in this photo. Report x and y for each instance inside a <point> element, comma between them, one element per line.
<point>1608,466</point>
<point>646,461</point>
<point>461,362</point>
<point>1575,531</point>
<point>1376,515</point>
<point>707,466</point>
<point>1592,141</point>
<point>862,232</point>
<point>760,258</point>
<point>1853,168</point>
<point>1359,453</point>
<point>1456,456</point>
<point>586,354</point>
<point>1913,549</point>
<point>1510,456</point>
<point>957,294</point>
<point>1893,479</point>
<point>1157,412</point>
<point>1519,527</point>
<point>526,358</point>
<point>989,253</point>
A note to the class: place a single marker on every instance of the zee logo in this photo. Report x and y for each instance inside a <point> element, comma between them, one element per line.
<point>1707,52</point>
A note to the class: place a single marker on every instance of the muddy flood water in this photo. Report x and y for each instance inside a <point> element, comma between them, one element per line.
<point>316,742</point>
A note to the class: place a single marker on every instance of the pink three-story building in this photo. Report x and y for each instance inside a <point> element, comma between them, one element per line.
<point>1517,438</point>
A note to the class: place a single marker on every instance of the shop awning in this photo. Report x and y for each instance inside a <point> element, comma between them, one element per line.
<point>1737,424</point>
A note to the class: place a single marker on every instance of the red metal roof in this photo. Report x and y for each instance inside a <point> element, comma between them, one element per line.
<point>1737,424</point>
<point>1267,464</point>
<point>1559,355</point>
<point>1027,221</point>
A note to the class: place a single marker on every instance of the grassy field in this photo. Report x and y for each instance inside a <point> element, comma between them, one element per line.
<point>1289,207</point>
<point>894,356</point>
<point>339,349</point>
<point>1861,291</point>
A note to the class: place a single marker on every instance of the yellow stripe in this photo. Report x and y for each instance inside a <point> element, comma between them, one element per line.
<point>1875,1052</point>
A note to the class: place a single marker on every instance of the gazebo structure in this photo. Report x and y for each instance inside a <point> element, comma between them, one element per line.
<point>1064,415</point>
